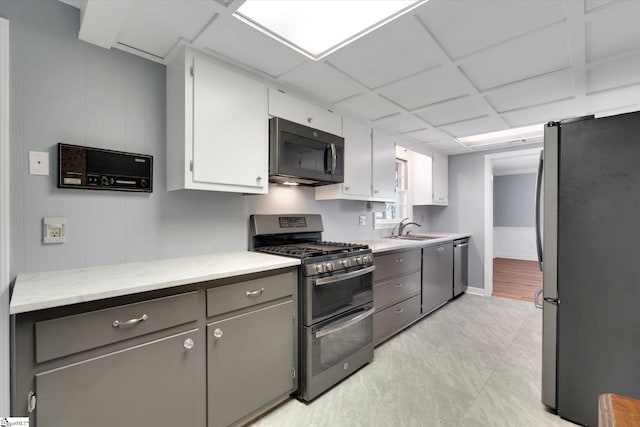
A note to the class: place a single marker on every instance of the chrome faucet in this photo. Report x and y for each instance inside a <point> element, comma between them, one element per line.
<point>402,225</point>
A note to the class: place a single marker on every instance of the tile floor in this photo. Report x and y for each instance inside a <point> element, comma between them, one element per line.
<point>474,362</point>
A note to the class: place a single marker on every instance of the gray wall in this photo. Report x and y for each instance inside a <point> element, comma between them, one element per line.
<point>465,212</point>
<point>514,200</point>
<point>66,90</point>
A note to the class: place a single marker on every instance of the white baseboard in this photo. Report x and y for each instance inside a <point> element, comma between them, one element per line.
<point>475,291</point>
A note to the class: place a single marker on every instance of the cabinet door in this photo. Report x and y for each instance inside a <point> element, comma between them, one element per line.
<point>437,276</point>
<point>249,362</point>
<point>357,162</point>
<point>304,113</point>
<point>153,384</point>
<point>230,128</point>
<point>420,178</point>
<point>383,167</point>
<point>440,179</point>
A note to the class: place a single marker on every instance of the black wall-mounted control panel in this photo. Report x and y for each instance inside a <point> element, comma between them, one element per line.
<point>99,169</point>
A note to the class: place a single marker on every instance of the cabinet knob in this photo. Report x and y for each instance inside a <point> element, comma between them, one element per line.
<point>399,310</point>
<point>188,344</point>
<point>346,188</point>
<point>258,180</point>
<point>375,191</point>
<point>399,285</point>
<point>309,119</point>
<point>217,333</point>
<point>399,259</point>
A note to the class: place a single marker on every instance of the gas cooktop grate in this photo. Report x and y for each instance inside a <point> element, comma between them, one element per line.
<point>306,250</point>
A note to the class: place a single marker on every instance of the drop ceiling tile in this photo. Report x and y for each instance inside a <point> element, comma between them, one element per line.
<point>534,91</point>
<point>473,127</point>
<point>175,19</point>
<point>613,30</point>
<point>466,26</point>
<point>369,106</point>
<point>402,123</point>
<point>321,81</point>
<point>542,113</point>
<point>427,88</point>
<point>613,99</point>
<point>391,52</point>
<point>429,136</point>
<point>246,45</point>
<point>455,110</point>
<point>593,4</point>
<point>614,73</point>
<point>532,55</point>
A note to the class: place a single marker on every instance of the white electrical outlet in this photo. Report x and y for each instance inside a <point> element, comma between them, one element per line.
<point>53,230</point>
<point>38,163</point>
<point>363,220</point>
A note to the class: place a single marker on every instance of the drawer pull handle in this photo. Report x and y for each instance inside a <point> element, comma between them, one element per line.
<point>117,323</point>
<point>188,344</point>
<point>217,333</point>
<point>399,310</point>
<point>399,285</point>
<point>254,293</point>
<point>400,260</point>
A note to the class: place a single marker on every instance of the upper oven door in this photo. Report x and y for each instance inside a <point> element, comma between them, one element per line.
<point>302,154</point>
<point>328,296</point>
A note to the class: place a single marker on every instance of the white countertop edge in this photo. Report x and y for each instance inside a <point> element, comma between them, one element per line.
<point>384,244</point>
<point>38,291</point>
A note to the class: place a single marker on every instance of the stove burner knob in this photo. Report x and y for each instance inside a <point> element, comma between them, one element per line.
<point>346,262</point>
<point>319,268</point>
<point>328,266</point>
<point>366,259</point>
<point>359,260</point>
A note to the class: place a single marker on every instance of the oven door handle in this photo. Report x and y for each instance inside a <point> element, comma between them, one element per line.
<point>345,276</point>
<point>333,329</point>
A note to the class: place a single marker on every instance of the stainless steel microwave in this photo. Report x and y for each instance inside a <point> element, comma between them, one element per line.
<point>303,155</point>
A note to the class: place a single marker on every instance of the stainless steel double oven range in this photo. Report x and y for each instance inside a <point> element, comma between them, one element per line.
<point>335,297</point>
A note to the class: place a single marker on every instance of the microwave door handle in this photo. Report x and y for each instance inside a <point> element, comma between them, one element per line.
<point>327,159</point>
<point>333,329</point>
<point>334,158</point>
<point>345,276</point>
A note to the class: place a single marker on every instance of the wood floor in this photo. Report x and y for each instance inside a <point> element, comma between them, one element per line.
<point>516,279</point>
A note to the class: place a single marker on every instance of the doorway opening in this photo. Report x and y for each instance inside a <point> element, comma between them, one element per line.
<point>511,268</point>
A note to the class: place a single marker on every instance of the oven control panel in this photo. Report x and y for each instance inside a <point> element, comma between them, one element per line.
<point>339,264</point>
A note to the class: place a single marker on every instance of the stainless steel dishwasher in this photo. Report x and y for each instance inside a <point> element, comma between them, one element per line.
<point>460,266</point>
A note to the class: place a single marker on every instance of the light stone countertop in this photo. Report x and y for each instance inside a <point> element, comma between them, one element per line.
<point>385,244</point>
<point>37,291</point>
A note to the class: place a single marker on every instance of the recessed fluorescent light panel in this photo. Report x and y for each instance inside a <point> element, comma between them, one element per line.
<point>502,136</point>
<point>317,28</point>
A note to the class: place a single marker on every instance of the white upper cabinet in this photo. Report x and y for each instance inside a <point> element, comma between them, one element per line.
<point>383,170</point>
<point>216,121</point>
<point>357,165</point>
<point>420,181</point>
<point>296,110</point>
<point>440,189</point>
<point>429,179</point>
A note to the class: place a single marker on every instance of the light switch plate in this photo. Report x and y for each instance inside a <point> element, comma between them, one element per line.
<point>38,163</point>
<point>53,230</point>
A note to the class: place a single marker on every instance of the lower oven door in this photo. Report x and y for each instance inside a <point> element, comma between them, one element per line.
<point>330,295</point>
<point>334,349</point>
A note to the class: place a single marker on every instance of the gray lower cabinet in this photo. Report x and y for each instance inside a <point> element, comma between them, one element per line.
<point>396,292</point>
<point>206,354</point>
<point>151,384</point>
<point>250,362</point>
<point>437,276</point>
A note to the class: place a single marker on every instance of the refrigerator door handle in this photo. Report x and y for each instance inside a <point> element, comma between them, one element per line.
<point>536,298</point>
<point>538,219</point>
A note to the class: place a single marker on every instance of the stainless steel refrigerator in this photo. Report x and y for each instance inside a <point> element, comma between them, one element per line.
<point>588,222</point>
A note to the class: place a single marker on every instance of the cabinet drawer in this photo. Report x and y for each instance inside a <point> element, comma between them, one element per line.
<point>245,294</point>
<point>393,319</point>
<point>72,334</point>
<point>400,288</point>
<point>396,264</point>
